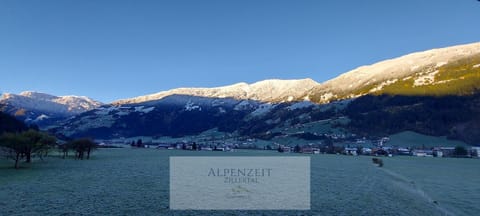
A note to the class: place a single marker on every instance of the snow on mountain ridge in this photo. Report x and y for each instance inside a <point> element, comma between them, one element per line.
<point>419,65</point>
<point>80,103</point>
<point>65,105</point>
<point>422,66</point>
<point>267,91</point>
<point>37,95</point>
<point>399,67</point>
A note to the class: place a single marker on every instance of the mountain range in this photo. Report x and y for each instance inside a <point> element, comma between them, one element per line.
<point>445,71</point>
<point>433,92</point>
<point>45,109</point>
<point>271,91</point>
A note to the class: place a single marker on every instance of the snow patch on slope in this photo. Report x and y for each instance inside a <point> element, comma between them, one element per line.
<point>383,84</point>
<point>147,110</point>
<point>327,96</point>
<point>143,109</point>
<point>190,106</point>
<point>425,79</point>
<point>41,117</point>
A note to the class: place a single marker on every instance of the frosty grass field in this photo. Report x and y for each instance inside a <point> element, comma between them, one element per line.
<point>135,181</point>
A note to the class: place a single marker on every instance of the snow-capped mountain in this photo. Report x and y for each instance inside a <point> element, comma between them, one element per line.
<point>452,70</point>
<point>414,74</point>
<point>67,105</point>
<point>265,91</point>
<point>35,107</point>
<point>273,104</point>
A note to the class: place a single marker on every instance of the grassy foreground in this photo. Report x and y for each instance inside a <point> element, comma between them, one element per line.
<point>135,182</point>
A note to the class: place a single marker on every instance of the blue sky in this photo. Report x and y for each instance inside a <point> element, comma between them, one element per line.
<point>116,49</point>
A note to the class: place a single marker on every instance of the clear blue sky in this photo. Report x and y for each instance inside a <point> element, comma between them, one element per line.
<point>116,49</point>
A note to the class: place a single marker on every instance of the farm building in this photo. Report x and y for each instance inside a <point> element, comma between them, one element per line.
<point>286,149</point>
<point>351,151</point>
<point>437,153</point>
<point>403,151</point>
<point>366,151</point>
<point>447,151</point>
<point>310,150</point>
<point>163,146</point>
<point>423,153</point>
<point>475,151</point>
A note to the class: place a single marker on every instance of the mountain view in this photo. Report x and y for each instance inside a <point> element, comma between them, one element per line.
<point>44,109</point>
<point>214,108</point>
<point>439,87</point>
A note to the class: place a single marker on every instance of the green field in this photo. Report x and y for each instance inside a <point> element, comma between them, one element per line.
<point>135,182</point>
<point>412,139</point>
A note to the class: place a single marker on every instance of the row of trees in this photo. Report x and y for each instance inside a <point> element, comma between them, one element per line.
<point>32,143</point>
<point>26,144</point>
<point>82,148</point>
<point>138,144</point>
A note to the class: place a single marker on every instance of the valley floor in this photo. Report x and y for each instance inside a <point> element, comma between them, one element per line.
<point>136,182</point>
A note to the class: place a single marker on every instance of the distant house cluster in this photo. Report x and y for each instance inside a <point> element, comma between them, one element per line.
<point>355,148</point>
<point>192,146</point>
<point>459,151</point>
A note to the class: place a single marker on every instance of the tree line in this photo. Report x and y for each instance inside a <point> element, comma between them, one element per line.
<point>19,141</point>
<point>24,145</point>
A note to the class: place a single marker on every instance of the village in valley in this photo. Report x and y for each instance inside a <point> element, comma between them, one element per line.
<point>354,147</point>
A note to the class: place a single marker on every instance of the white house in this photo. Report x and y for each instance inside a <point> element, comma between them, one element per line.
<point>367,151</point>
<point>476,152</point>
<point>351,151</point>
<point>423,153</point>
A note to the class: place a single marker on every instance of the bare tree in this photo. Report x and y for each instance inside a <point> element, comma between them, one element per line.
<point>82,146</point>
<point>13,146</point>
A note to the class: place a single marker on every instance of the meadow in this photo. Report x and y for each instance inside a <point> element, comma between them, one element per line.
<point>136,182</point>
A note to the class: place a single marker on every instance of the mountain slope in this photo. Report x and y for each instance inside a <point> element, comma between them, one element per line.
<point>446,71</point>
<point>456,117</point>
<point>175,115</point>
